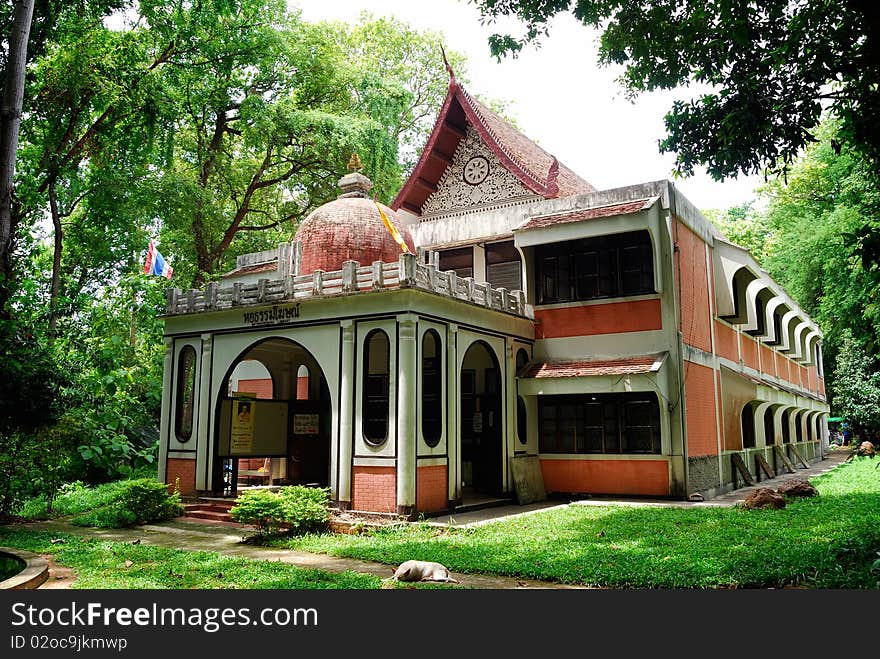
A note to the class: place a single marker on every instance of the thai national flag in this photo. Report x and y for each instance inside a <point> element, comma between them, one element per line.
<point>155,264</point>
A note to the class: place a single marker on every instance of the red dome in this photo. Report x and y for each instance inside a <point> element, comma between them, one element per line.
<point>348,229</point>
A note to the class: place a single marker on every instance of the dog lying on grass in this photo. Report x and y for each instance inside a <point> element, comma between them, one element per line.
<point>423,571</point>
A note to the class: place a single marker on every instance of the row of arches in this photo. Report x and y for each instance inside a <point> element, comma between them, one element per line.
<point>766,424</point>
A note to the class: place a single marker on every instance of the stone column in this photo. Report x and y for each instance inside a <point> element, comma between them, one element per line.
<point>165,423</point>
<point>204,450</point>
<point>407,392</point>
<point>345,445</point>
<point>453,425</point>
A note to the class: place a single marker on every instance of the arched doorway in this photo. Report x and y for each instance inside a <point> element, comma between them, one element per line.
<point>273,420</point>
<point>482,448</point>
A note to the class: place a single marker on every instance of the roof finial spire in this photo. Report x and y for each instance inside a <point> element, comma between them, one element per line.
<point>446,64</point>
<point>354,163</point>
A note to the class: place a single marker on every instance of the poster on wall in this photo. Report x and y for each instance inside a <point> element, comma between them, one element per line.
<point>242,435</point>
<point>305,424</point>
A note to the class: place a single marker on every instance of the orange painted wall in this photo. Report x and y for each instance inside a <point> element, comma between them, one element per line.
<point>702,426</point>
<point>647,477</point>
<point>431,489</point>
<point>726,342</point>
<point>749,349</point>
<point>183,469</point>
<point>768,360</point>
<point>374,489</point>
<point>261,387</point>
<point>611,318</point>
<point>694,287</point>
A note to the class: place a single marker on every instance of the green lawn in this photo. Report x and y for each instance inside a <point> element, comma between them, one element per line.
<point>103,565</point>
<point>827,542</point>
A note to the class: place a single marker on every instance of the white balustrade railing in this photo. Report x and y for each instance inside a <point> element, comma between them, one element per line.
<point>353,278</point>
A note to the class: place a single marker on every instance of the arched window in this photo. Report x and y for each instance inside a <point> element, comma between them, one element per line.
<point>522,359</point>
<point>303,379</point>
<point>786,429</point>
<point>748,426</point>
<point>799,427</point>
<point>810,434</point>
<point>769,431</point>
<point>376,387</point>
<point>185,398</point>
<point>432,389</point>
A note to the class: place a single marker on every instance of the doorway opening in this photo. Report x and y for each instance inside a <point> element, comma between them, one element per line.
<point>482,445</point>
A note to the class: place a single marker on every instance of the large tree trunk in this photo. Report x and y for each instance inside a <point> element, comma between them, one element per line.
<point>10,120</point>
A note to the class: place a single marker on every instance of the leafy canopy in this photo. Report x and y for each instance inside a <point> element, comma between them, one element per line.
<point>771,67</point>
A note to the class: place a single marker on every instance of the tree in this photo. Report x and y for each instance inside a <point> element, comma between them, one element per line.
<point>771,67</point>
<point>857,392</point>
<point>10,120</point>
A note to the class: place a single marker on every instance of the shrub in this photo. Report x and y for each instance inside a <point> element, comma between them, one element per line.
<point>294,507</point>
<point>262,508</point>
<point>135,502</point>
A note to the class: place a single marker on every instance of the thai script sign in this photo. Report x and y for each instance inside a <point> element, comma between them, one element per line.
<point>277,315</point>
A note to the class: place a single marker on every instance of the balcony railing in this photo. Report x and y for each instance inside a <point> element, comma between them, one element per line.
<point>354,278</point>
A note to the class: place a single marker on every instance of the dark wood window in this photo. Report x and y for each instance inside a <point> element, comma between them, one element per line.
<point>186,389</point>
<point>432,389</point>
<point>616,265</point>
<point>460,260</point>
<point>375,394</point>
<point>599,423</point>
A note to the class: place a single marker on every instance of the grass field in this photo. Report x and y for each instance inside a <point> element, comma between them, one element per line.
<point>830,541</point>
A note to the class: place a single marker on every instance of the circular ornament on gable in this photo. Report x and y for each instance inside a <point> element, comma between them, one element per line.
<point>476,170</point>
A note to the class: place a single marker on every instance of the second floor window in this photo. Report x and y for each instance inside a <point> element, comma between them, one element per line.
<point>617,265</point>
<point>376,387</point>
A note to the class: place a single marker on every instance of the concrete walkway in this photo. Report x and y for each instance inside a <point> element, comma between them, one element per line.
<point>192,536</point>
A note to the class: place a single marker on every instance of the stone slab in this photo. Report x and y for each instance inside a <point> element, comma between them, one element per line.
<point>528,481</point>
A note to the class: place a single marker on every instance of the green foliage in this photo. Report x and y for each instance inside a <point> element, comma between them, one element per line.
<point>758,109</point>
<point>295,507</point>
<point>829,541</point>
<point>120,504</point>
<point>857,387</point>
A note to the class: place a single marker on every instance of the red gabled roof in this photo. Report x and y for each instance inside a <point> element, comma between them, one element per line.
<point>611,210</point>
<point>580,368</point>
<point>536,169</point>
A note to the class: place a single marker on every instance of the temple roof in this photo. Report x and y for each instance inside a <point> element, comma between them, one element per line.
<point>539,171</point>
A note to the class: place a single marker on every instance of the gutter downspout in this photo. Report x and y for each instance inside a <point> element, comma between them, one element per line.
<point>679,343</point>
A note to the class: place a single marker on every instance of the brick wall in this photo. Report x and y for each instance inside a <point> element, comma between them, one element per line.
<point>612,318</point>
<point>695,311</point>
<point>749,349</point>
<point>261,387</point>
<point>431,489</point>
<point>374,489</point>
<point>646,477</point>
<point>702,427</point>
<point>183,469</point>
<point>726,342</point>
<point>768,360</point>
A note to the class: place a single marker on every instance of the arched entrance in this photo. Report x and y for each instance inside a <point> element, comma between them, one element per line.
<point>273,420</point>
<point>482,448</point>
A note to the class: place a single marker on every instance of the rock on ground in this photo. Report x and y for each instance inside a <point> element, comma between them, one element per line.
<point>797,487</point>
<point>764,497</point>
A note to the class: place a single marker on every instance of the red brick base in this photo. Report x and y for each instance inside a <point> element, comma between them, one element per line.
<point>431,489</point>
<point>183,469</point>
<point>640,477</point>
<point>374,489</point>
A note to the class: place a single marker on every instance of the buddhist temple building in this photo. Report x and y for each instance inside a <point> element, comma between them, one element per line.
<point>501,317</point>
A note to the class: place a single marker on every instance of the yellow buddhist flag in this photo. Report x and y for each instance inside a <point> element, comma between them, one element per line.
<point>392,229</point>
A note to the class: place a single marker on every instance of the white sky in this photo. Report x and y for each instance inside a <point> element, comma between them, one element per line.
<point>558,94</point>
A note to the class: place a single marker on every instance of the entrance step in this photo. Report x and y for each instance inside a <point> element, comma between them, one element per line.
<point>216,510</point>
<point>469,505</point>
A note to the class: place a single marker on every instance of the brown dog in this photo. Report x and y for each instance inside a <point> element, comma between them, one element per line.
<point>423,571</point>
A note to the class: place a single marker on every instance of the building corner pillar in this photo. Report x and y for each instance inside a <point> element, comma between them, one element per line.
<point>345,445</point>
<point>407,438</point>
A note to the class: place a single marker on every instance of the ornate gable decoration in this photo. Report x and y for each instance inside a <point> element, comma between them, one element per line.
<point>475,179</point>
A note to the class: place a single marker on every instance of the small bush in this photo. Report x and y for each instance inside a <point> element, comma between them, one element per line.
<point>261,508</point>
<point>136,502</point>
<point>294,507</point>
<point>36,508</point>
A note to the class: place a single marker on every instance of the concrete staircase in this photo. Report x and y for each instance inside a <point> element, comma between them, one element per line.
<point>214,510</point>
